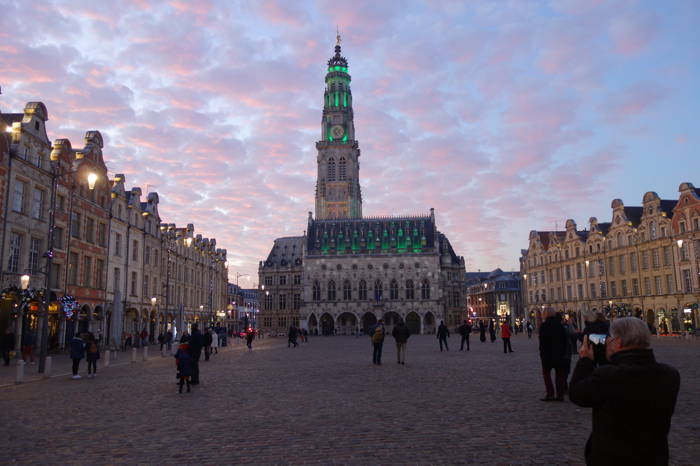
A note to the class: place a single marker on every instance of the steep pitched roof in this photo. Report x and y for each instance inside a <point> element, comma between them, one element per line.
<point>667,206</point>
<point>634,214</point>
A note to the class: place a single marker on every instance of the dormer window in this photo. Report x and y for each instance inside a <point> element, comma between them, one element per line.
<point>36,125</point>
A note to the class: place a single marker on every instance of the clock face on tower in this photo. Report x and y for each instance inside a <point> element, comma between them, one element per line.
<point>337,131</point>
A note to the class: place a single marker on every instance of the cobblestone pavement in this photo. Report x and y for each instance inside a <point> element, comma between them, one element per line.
<point>323,402</point>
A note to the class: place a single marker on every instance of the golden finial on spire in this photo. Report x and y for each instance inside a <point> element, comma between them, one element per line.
<point>338,40</point>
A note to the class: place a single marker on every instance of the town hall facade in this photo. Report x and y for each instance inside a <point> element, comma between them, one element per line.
<point>348,271</point>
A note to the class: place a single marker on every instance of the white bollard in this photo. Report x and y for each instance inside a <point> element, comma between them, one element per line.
<point>19,377</point>
<point>108,354</point>
<point>145,353</point>
<point>133,354</point>
<point>48,367</point>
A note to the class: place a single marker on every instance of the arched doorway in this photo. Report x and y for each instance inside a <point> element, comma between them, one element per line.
<point>327,327</point>
<point>663,321</point>
<point>413,323</point>
<point>346,324</point>
<point>429,323</point>
<point>84,319</point>
<point>391,318</point>
<point>313,325</point>
<point>675,321</point>
<point>369,320</point>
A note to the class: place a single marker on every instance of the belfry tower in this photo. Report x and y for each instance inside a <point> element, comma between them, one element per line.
<point>338,192</point>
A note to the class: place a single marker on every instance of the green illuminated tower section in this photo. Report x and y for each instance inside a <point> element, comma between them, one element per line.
<point>338,193</point>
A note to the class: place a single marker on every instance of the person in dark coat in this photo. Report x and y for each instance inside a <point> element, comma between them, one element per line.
<point>77,352</point>
<point>92,355</point>
<point>492,331</point>
<point>633,398</point>
<point>196,342</point>
<point>464,330</point>
<point>185,365</point>
<point>207,340</point>
<point>443,333</point>
<point>292,336</point>
<point>401,334</point>
<point>168,340</point>
<point>7,344</point>
<point>553,356</point>
<point>249,337</point>
<point>482,331</point>
<point>377,335</point>
<point>598,326</point>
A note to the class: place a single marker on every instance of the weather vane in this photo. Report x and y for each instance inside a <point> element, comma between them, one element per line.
<point>338,40</point>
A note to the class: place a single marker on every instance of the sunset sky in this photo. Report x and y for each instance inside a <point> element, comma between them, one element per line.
<point>505,116</point>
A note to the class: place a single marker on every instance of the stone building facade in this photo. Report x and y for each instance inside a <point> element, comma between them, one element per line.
<point>644,262</point>
<point>348,271</point>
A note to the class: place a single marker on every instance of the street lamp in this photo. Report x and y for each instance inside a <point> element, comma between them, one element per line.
<point>24,282</point>
<point>153,301</point>
<point>679,243</point>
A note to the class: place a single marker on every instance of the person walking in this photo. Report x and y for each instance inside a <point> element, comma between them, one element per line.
<point>196,342</point>
<point>553,356</point>
<point>184,364</point>
<point>169,340</point>
<point>208,340</point>
<point>28,341</point>
<point>7,344</point>
<point>464,330</point>
<point>92,355</point>
<point>505,336</point>
<point>292,336</point>
<point>377,337</point>
<point>443,333</point>
<point>214,341</point>
<point>633,398</point>
<point>401,334</point>
<point>249,337</point>
<point>528,326</point>
<point>492,331</point>
<point>571,337</point>
<point>482,331</point>
<point>77,352</point>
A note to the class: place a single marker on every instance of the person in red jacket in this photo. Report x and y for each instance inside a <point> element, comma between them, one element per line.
<point>505,335</point>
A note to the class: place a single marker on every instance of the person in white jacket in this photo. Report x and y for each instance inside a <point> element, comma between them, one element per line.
<point>215,341</point>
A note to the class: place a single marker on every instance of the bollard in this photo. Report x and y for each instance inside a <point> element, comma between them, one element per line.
<point>48,367</point>
<point>107,356</point>
<point>19,378</point>
<point>145,353</point>
<point>133,354</point>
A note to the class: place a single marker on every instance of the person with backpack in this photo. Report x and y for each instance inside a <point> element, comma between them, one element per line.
<point>92,355</point>
<point>184,364</point>
<point>377,342</point>
<point>77,352</point>
<point>401,334</point>
<point>464,330</point>
<point>443,334</point>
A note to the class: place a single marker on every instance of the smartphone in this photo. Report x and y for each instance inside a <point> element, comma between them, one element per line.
<point>597,338</point>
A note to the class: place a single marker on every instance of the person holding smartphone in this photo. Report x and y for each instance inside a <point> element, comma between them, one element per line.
<point>633,397</point>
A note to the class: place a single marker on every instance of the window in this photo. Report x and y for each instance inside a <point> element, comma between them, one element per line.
<point>99,274</point>
<point>378,288</point>
<point>134,278</point>
<point>425,290</point>
<point>18,198</point>
<point>15,250</point>
<point>622,264</point>
<point>347,291</point>
<point>592,295</point>
<point>647,286</point>
<point>155,258</point>
<point>669,284</point>
<point>667,255</point>
<point>117,245</point>
<point>34,254</point>
<point>60,203</point>
<point>147,255</point>
<point>580,291</point>
<point>687,282</point>
<point>657,285</point>
<point>297,279</point>
<point>283,279</point>
<point>145,288</point>
<point>613,289</point>
<point>409,289</point>
<point>268,302</point>
<point>684,251</point>
<point>115,285</point>
<point>603,289</point>
<point>645,260</point>
<point>58,238</point>
<point>316,290</point>
<point>681,226</point>
<point>623,285</point>
<point>393,290</point>
<point>102,235</point>
<point>87,271</point>
<point>268,280</point>
<point>282,321</point>
<point>633,262</point>
<point>635,287</point>
<point>568,272</point>
<point>73,269</point>
<point>331,290</point>
<point>38,203</point>
<point>652,230</point>
<point>611,265</point>
<point>331,169</point>
<point>283,302</point>
<point>75,225</point>
<point>569,293</point>
<point>297,301</point>
<point>55,276</point>
<point>655,258</point>
<point>341,169</point>
<point>696,224</point>
<point>90,230</point>
<point>578,270</point>
<point>135,252</point>
<point>363,291</point>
